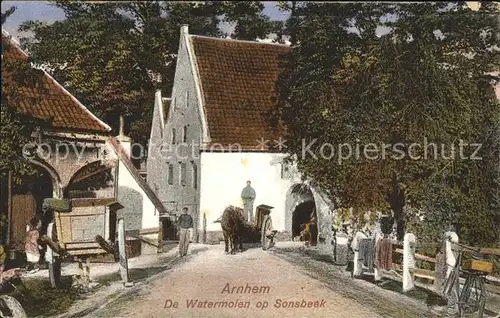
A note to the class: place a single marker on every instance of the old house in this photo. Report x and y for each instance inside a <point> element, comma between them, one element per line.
<point>214,133</point>
<point>78,159</point>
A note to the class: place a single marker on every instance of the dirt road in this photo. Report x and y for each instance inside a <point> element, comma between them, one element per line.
<point>250,284</point>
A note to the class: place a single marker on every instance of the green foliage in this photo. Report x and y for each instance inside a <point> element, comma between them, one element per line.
<point>412,85</point>
<point>113,56</point>
<point>16,128</point>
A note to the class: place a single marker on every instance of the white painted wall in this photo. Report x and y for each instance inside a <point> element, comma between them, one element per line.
<point>224,175</point>
<point>150,216</point>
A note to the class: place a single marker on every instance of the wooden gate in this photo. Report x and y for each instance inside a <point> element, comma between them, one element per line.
<point>23,210</point>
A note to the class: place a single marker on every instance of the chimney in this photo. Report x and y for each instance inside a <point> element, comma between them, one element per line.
<point>121,126</point>
<point>184,29</point>
<point>125,141</point>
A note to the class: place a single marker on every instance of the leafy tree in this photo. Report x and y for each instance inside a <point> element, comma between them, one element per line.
<point>16,128</point>
<point>424,80</point>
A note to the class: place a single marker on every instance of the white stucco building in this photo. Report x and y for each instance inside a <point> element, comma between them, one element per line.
<point>209,138</point>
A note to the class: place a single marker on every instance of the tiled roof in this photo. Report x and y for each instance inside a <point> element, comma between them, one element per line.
<point>238,85</point>
<point>49,100</point>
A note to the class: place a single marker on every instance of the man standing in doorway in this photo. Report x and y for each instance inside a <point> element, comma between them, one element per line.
<point>248,197</point>
<point>185,223</point>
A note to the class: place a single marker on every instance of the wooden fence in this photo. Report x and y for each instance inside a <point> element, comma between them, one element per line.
<point>409,269</point>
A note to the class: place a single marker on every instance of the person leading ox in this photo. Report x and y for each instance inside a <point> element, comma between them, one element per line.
<point>248,197</point>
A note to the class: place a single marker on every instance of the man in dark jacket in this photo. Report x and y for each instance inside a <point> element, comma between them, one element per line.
<point>185,223</point>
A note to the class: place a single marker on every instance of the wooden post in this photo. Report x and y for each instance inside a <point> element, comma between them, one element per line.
<point>408,262</point>
<point>9,207</point>
<point>52,258</point>
<point>122,252</point>
<point>451,257</point>
<point>87,271</point>
<point>82,271</point>
<point>160,236</point>
<point>440,269</point>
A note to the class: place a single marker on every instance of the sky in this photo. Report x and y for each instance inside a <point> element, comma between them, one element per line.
<point>46,11</point>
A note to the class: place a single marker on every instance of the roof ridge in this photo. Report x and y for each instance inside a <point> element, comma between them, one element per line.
<point>17,46</point>
<point>236,40</point>
<point>16,43</point>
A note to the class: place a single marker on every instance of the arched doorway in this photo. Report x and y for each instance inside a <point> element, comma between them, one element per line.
<point>300,209</point>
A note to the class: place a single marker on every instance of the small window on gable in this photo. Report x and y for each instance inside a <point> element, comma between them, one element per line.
<point>286,170</point>
<point>182,173</point>
<point>195,175</point>
<point>170,175</point>
<point>184,134</point>
<point>174,137</point>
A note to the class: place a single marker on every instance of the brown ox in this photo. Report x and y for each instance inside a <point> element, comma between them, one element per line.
<point>235,229</point>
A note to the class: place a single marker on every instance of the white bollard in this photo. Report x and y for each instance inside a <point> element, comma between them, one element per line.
<point>451,257</point>
<point>123,253</point>
<point>377,275</point>
<point>358,267</point>
<point>408,262</point>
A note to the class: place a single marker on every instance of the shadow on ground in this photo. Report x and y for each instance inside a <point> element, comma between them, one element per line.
<point>138,274</point>
<point>38,298</point>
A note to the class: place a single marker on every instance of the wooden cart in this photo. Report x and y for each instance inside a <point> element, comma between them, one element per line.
<point>79,228</point>
<point>264,222</point>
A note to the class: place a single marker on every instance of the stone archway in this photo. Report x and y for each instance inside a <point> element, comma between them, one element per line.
<point>56,179</point>
<point>299,206</point>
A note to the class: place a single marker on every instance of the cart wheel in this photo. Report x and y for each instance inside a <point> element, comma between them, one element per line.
<point>267,242</point>
<point>53,259</point>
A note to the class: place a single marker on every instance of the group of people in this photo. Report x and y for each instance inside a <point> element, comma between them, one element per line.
<point>185,221</point>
